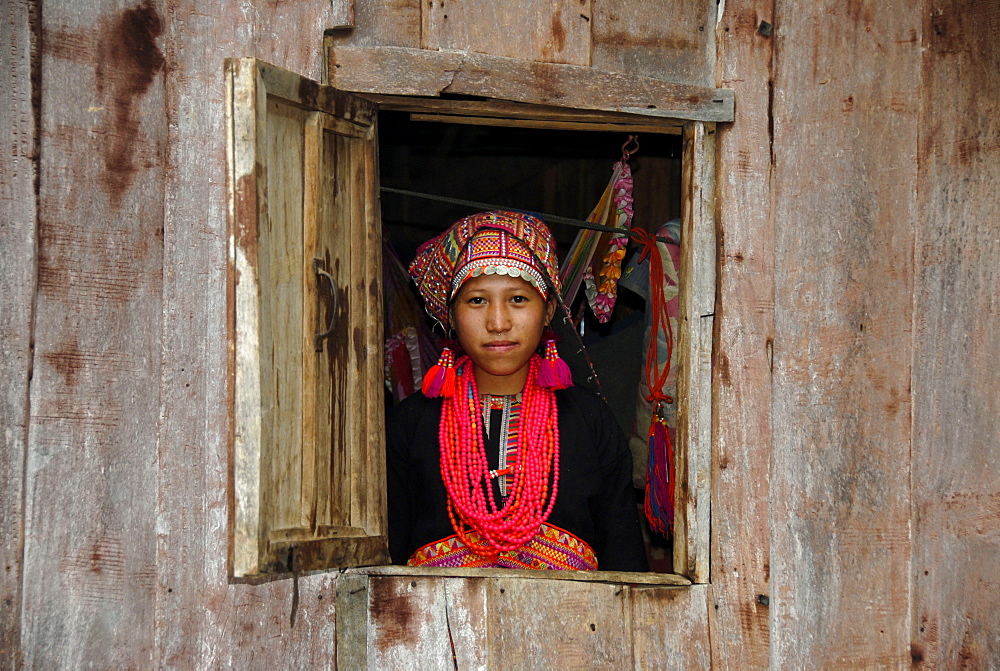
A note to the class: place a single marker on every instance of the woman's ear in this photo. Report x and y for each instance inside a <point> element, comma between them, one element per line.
<point>550,310</point>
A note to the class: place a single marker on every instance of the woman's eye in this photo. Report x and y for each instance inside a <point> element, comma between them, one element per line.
<point>520,299</point>
<point>477,300</point>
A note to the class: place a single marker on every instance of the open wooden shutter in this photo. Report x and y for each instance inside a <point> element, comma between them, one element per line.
<point>308,480</point>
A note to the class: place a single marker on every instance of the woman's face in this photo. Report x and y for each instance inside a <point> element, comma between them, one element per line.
<point>499,321</point>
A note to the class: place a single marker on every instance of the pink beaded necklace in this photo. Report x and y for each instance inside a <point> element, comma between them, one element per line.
<point>466,473</point>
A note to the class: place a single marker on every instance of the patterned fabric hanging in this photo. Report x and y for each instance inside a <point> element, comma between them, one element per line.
<point>595,260</point>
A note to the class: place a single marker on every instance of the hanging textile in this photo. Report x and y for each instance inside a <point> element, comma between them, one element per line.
<point>653,275</point>
<point>595,258</point>
<point>410,348</point>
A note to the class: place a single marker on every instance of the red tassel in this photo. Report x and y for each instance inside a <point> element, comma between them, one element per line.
<point>554,373</point>
<point>440,378</point>
<point>659,502</point>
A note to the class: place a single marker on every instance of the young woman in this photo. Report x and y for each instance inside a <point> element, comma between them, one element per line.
<point>500,462</point>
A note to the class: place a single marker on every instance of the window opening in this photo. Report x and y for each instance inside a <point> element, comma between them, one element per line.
<point>305,236</point>
<point>541,170</point>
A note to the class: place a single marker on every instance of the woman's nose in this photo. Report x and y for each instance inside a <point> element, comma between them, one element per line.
<point>497,319</point>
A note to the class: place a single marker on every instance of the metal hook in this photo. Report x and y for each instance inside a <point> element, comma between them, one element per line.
<point>320,274</point>
<point>626,152</point>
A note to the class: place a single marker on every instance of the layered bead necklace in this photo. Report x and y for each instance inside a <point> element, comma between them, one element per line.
<point>466,472</point>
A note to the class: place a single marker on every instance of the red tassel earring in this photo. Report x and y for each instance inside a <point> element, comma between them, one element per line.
<point>440,378</point>
<point>554,373</point>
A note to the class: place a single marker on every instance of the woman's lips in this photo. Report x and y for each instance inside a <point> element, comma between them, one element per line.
<point>500,346</point>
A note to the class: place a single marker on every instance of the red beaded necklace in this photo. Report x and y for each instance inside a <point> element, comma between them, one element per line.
<point>466,472</point>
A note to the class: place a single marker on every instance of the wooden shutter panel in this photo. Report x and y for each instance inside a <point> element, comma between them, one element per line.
<point>308,480</point>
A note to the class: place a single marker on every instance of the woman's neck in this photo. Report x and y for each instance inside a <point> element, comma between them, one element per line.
<point>500,385</point>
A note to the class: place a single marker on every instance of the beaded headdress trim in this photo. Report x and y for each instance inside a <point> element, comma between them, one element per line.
<point>493,243</point>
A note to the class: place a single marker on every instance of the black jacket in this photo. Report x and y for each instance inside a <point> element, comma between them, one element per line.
<point>595,500</point>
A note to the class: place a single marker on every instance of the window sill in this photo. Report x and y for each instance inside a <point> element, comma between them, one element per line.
<point>613,577</point>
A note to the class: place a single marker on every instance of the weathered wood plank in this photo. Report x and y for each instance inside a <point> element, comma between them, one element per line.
<point>669,39</point>
<point>669,627</point>
<point>377,23</point>
<point>507,621</point>
<point>410,624</point>
<point>956,442</point>
<point>692,466</point>
<point>18,172</point>
<point>611,577</point>
<point>400,71</point>
<point>353,608</point>
<point>558,624</point>
<point>203,620</point>
<point>288,34</point>
<point>342,14</point>
<point>90,473</point>
<point>840,470</point>
<point>591,126</point>
<point>744,320</point>
<point>512,110</point>
<point>538,30</point>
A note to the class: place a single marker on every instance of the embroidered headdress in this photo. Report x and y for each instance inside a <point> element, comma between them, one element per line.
<point>491,243</point>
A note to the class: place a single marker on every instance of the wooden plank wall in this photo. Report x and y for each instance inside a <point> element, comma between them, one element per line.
<point>531,624</point>
<point>672,39</point>
<point>90,471</point>
<point>18,172</point>
<point>200,618</point>
<point>740,542</point>
<point>858,254</point>
<point>125,542</point>
<point>845,127</point>
<point>669,39</point>
<point>956,439</point>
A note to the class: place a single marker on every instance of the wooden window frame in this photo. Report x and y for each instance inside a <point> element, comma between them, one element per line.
<point>695,320</point>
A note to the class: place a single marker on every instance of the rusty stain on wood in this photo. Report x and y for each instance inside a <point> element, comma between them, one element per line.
<point>128,60</point>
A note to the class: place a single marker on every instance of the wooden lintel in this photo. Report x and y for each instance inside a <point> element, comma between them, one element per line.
<point>548,124</point>
<point>421,72</point>
<point>506,109</point>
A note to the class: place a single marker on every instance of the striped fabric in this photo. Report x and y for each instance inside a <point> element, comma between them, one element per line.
<point>552,548</point>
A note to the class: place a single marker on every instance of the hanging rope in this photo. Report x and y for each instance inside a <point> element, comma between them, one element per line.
<point>660,478</point>
<point>486,207</point>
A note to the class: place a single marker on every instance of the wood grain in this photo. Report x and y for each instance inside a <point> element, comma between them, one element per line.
<point>520,111</point>
<point>744,321</point>
<point>539,30</point>
<point>610,577</point>
<point>394,23</point>
<point>505,621</point>
<point>417,72</point>
<point>593,622</point>
<point>956,441</point>
<point>667,39</point>
<point>308,475</point>
<point>696,314</point>
<point>90,472</point>
<point>591,126</point>
<point>18,172</point>
<point>669,628</point>
<point>202,619</point>
<point>840,471</point>
<point>342,14</point>
<point>408,621</point>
